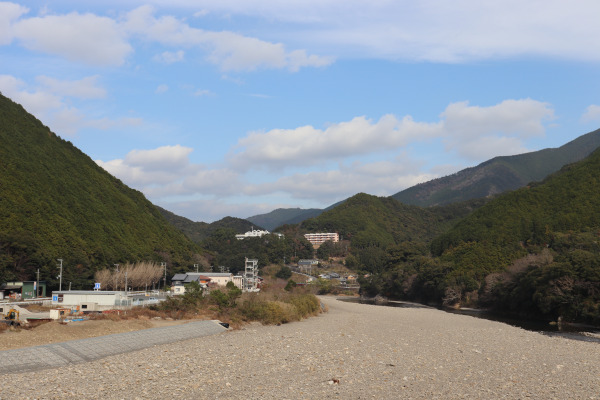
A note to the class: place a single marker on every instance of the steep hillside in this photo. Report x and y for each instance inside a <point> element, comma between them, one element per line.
<point>533,251</point>
<point>369,221</point>
<point>55,202</point>
<point>499,174</point>
<point>199,231</point>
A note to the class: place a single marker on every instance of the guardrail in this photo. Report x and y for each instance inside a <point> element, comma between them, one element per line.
<point>39,300</point>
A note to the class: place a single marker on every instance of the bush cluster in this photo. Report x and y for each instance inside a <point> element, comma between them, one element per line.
<point>270,306</point>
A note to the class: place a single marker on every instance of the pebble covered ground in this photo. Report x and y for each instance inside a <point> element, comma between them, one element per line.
<point>354,351</point>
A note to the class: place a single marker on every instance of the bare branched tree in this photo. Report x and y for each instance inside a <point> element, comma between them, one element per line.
<point>141,275</point>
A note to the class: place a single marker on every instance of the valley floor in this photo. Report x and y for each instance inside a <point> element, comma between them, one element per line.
<point>354,351</point>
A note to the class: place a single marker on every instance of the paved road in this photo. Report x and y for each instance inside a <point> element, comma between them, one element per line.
<point>83,350</point>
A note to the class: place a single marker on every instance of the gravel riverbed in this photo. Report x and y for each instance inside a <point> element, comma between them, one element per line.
<point>355,351</point>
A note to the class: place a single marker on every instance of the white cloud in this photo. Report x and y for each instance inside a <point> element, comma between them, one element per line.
<point>100,40</point>
<point>433,30</point>
<point>478,133</point>
<point>520,117</point>
<point>37,102</point>
<point>219,182</point>
<point>169,57</point>
<point>229,50</point>
<point>166,171</point>
<point>78,37</point>
<point>201,13</point>
<point>471,131</point>
<point>171,158</point>
<point>202,92</point>
<point>47,103</point>
<point>592,113</point>
<point>85,88</point>
<point>307,145</point>
<point>161,88</point>
<point>381,178</point>
<point>136,176</point>
<point>9,12</point>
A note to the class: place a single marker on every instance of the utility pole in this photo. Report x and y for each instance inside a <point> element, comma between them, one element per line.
<point>37,284</point>
<point>117,277</point>
<point>60,276</point>
<point>164,264</point>
<point>125,282</point>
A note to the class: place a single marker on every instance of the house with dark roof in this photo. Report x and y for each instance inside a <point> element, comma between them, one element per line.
<point>178,281</point>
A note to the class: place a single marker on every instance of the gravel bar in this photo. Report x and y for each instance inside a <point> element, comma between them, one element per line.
<point>355,351</point>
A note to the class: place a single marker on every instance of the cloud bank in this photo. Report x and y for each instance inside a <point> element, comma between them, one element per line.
<point>104,41</point>
<point>360,155</point>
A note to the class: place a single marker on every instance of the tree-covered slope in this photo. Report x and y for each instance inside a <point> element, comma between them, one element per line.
<point>368,220</point>
<point>535,250</point>
<point>55,202</point>
<point>499,174</point>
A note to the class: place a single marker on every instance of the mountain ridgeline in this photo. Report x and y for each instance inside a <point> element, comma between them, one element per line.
<point>56,202</point>
<point>284,216</point>
<point>199,231</point>
<point>489,178</point>
<point>499,174</point>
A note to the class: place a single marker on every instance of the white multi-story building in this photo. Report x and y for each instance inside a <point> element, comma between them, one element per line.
<point>252,233</point>
<point>316,239</point>
<point>256,233</point>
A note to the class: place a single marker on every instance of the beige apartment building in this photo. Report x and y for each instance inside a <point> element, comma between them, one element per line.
<point>316,239</point>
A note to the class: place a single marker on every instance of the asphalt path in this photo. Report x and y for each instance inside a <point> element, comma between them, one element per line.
<point>83,350</point>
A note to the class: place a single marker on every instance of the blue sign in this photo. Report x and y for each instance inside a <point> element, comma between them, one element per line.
<point>97,286</point>
<point>54,298</point>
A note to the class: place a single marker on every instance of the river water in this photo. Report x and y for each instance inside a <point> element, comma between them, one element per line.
<point>574,332</point>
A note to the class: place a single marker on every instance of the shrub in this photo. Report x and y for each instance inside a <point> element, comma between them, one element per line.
<point>290,285</point>
<point>284,273</point>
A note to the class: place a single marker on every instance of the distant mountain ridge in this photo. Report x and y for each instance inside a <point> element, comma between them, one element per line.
<point>492,177</point>
<point>198,231</point>
<point>500,174</point>
<point>283,216</point>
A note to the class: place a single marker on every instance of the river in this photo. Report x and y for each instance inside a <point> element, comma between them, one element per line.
<point>570,331</point>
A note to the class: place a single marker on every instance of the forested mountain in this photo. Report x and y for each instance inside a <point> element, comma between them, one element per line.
<point>368,220</point>
<point>284,216</point>
<point>381,230</point>
<point>56,202</point>
<point>199,231</point>
<point>499,174</point>
<point>534,251</point>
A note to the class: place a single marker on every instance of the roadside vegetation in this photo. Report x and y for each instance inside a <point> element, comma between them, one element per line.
<point>273,305</point>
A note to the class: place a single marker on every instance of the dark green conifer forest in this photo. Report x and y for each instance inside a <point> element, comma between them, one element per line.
<point>55,202</point>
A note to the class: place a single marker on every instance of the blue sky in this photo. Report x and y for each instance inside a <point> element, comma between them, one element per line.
<point>236,108</point>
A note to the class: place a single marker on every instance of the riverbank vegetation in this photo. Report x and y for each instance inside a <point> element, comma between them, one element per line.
<point>271,306</point>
